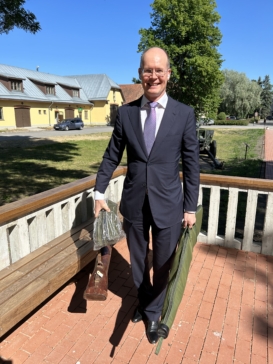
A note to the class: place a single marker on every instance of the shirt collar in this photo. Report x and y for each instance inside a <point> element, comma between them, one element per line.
<point>162,101</point>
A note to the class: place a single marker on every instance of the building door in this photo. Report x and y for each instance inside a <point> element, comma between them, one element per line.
<point>22,117</point>
<point>113,113</point>
<point>69,113</point>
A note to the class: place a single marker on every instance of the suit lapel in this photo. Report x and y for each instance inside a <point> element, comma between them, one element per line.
<point>134,116</point>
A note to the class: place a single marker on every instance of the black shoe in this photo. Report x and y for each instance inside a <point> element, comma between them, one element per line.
<point>151,331</point>
<point>138,315</point>
<point>163,331</point>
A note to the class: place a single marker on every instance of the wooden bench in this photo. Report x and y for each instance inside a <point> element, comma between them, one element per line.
<point>28,282</point>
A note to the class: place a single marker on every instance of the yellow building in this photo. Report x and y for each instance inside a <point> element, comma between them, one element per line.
<point>36,99</point>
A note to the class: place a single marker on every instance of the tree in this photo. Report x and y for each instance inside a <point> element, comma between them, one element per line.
<point>266,97</point>
<point>239,95</point>
<point>12,14</point>
<point>187,31</point>
<point>136,80</point>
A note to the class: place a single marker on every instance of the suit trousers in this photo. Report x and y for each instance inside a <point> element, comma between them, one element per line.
<point>164,241</point>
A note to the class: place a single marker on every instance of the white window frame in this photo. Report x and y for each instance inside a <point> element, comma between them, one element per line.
<point>16,85</point>
<point>50,90</point>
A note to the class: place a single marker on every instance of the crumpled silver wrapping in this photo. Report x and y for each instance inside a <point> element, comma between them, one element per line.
<point>107,227</point>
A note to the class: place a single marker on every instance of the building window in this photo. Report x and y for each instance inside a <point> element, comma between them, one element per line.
<point>16,85</point>
<point>50,90</point>
<point>39,112</point>
<point>114,96</point>
<point>75,93</point>
<point>44,112</point>
<point>85,114</point>
<point>1,113</point>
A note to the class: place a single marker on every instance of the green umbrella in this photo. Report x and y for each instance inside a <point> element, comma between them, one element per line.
<point>179,273</point>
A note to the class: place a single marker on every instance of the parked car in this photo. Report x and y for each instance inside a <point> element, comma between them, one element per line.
<point>232,117</point>
<point>205,121</point>
<point>69,124</point>
<point>269,117</point>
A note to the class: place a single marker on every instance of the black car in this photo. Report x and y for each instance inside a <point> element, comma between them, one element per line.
<point>69,124</point>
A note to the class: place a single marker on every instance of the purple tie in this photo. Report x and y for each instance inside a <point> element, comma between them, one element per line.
<point>149,127</point>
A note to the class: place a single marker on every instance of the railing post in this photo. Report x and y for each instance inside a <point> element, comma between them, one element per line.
<point>214,204</point>
<point>267,242</point>
<point>251,208</point>
<point>231,218</point>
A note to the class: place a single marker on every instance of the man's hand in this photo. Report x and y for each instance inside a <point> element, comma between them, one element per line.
<point>189,220</point>
<point>100,205</point>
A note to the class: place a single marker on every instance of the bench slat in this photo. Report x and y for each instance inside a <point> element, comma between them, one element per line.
<point>75,233</point>
<point>48,263</point>
<point>28,298</point>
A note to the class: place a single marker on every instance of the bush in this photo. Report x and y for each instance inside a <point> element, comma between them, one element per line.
<point>232,122</point>
<point>221,116</point>
<point>253,120</point>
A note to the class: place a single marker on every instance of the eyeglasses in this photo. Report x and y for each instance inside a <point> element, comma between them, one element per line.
<point>147,72</point>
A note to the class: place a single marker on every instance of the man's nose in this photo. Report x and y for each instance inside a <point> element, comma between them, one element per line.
<point>153,74</point>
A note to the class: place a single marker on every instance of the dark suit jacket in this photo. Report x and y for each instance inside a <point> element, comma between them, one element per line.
<point>157,173</point>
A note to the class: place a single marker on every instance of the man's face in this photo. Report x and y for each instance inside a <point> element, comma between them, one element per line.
<point>154,85</point>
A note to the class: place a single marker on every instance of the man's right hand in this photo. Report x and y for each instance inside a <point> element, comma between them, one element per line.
<point>100,205</point>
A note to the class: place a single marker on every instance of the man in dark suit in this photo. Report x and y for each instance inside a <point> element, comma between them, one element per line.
<point>156,131</point>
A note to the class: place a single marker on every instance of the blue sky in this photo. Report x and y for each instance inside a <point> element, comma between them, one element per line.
<point>87,36</point>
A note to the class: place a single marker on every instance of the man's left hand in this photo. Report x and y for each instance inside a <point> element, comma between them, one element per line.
<point>189,220</point>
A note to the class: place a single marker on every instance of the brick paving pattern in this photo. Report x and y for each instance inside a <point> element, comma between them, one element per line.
<point>225,317</point>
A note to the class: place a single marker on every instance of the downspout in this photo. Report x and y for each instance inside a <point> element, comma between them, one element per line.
<point>91,108</point>
<point>49,112</point>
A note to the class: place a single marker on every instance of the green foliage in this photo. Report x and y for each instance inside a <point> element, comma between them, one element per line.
<point>187,31</point>
<point>232,122</point>
<point>221,116</point>
<point>136,80</point>
<point>239,95</point>
<point>266,97</point>
<point>12,14</point>
<point>253,120</point>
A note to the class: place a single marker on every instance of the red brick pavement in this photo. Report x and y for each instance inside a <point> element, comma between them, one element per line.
<point>225,317</point>
<point>268,153</point>
<point>268,149</point>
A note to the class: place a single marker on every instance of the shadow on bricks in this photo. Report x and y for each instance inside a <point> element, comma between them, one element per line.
<point>120,284</point>
<point>3,361</point>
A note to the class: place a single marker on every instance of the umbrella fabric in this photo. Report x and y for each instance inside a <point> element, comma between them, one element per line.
<point>179,272</point>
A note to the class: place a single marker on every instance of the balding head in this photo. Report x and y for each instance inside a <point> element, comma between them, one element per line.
<point>157,49</point>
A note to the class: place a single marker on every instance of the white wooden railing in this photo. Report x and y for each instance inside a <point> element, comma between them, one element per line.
<point>30,223</point>
<point>253,188</point>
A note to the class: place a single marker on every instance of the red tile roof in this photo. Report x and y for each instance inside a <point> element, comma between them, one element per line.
<point>131,92</point>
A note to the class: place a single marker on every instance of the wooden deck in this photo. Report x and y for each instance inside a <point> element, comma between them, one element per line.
<point>225,317</point>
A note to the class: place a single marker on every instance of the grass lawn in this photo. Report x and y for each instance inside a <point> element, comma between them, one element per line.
<point>231,149</point>
<point>30,168</point>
